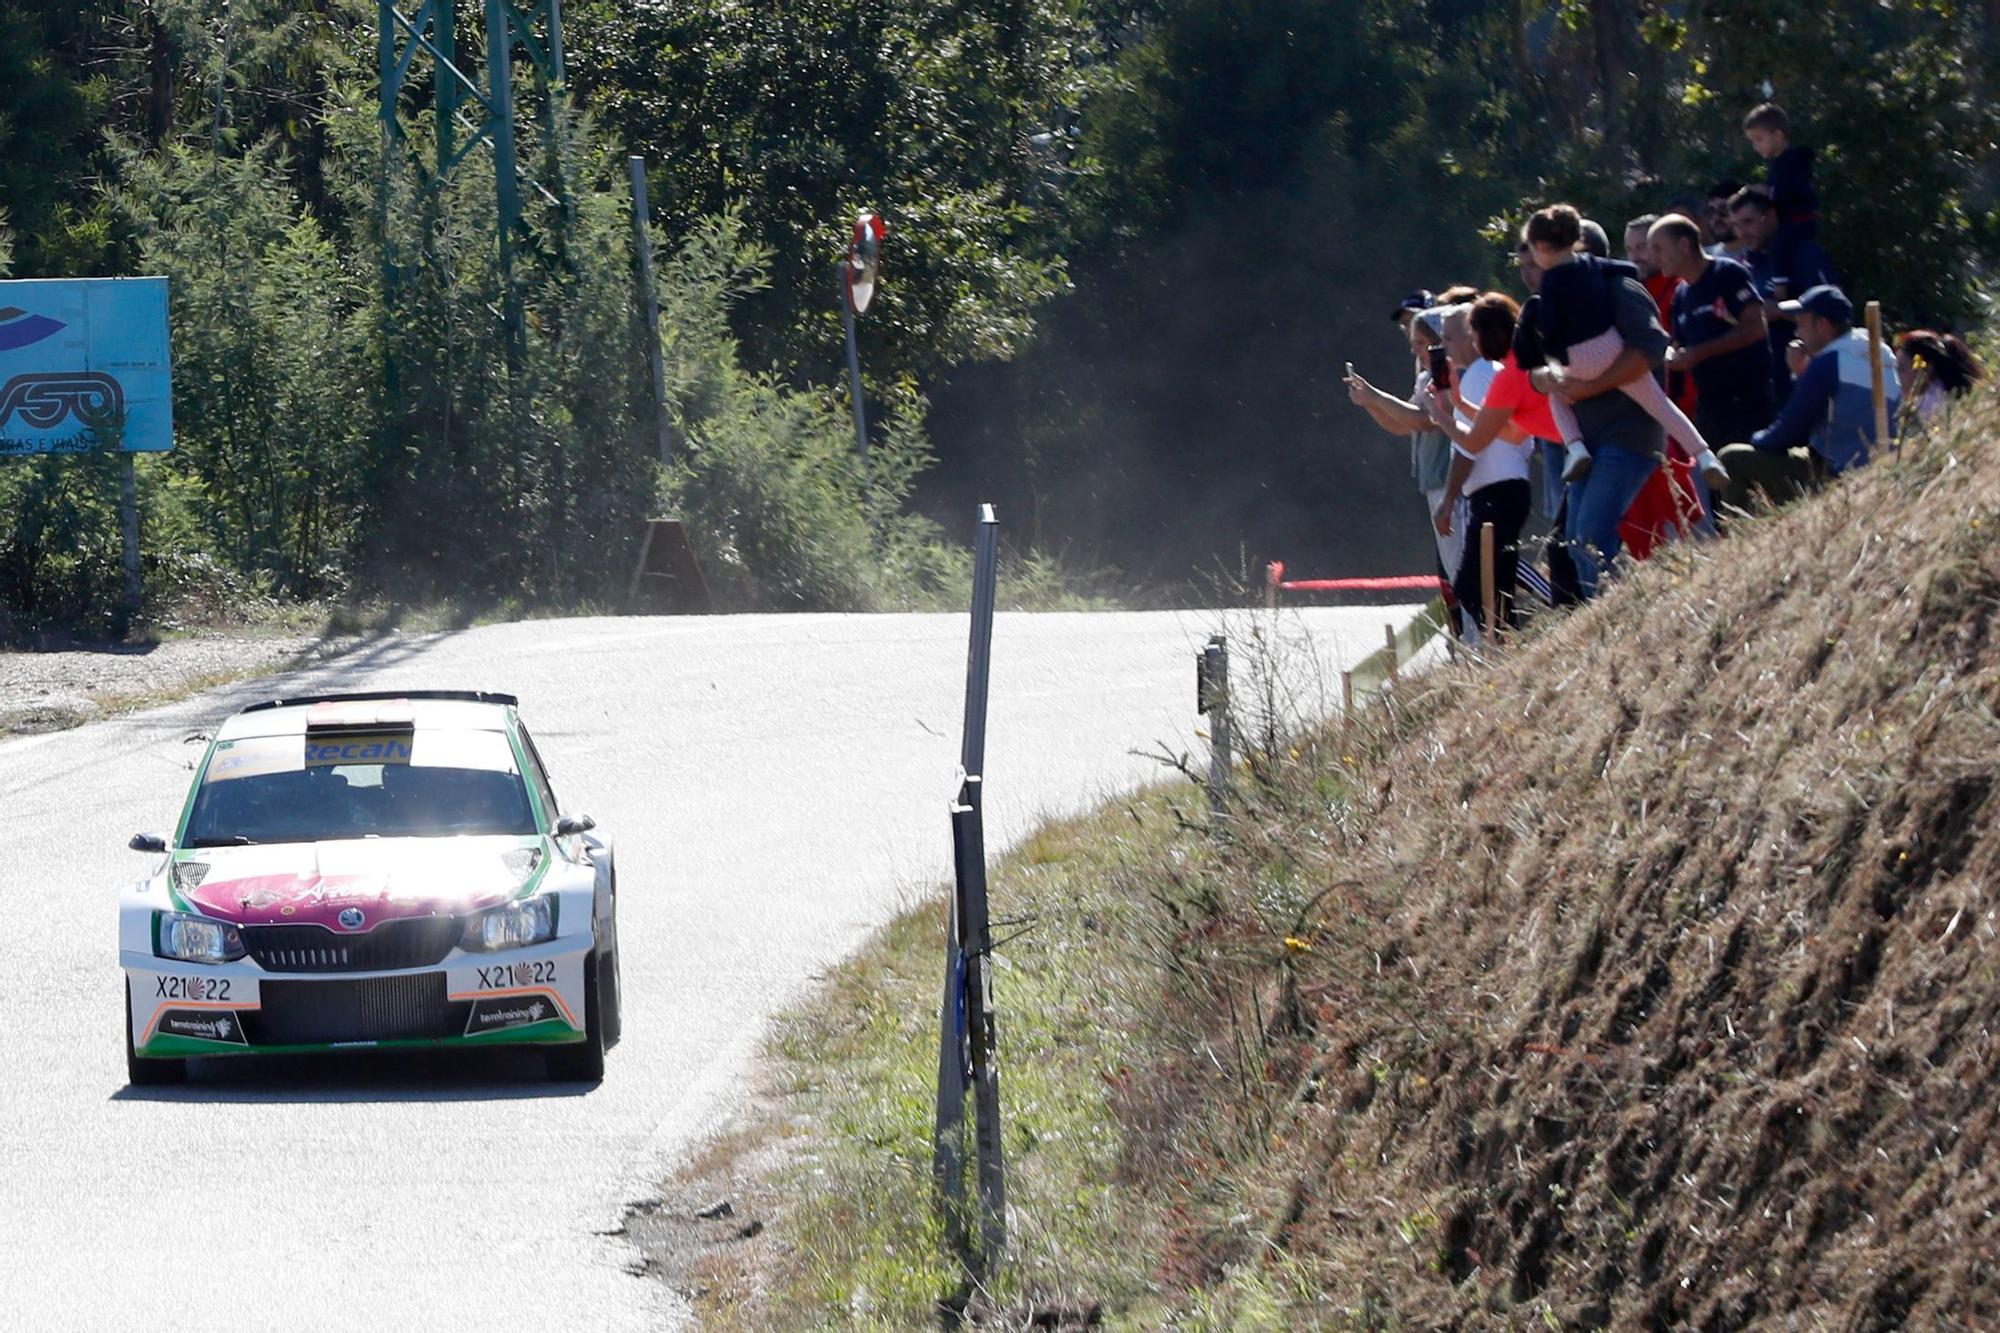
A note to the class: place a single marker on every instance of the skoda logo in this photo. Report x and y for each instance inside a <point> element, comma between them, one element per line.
<point>351,918</point>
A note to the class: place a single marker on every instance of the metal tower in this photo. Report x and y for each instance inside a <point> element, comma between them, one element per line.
<point>536,28</point>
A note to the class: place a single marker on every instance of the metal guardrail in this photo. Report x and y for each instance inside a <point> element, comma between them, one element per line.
<point>1399,646</point>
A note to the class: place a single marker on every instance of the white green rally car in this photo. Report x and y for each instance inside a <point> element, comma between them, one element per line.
<point>372,870</point>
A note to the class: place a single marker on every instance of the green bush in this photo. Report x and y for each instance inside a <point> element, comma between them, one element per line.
<point>780,509</point>
<point>61,557</point>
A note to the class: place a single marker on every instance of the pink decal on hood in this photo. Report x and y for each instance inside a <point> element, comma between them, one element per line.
<point>387,880</point>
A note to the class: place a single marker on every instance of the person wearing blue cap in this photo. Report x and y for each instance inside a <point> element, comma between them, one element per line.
<point>1407,309</point>
<point>1828,424</point>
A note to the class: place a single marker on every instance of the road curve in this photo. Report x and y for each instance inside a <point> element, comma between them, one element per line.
<point>776,786</point>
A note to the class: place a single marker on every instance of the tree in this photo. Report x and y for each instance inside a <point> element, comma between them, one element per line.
<point>946,118</point>
<point>49,131</point>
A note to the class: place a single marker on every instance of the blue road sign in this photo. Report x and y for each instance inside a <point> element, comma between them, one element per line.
<point>80,356</point>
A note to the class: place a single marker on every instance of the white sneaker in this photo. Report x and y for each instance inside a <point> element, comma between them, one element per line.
<point>1712,471</point>
<point>1576,463</point>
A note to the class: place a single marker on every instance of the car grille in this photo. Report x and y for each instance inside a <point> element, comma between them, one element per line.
<point>415,942</point>
<point>365,1009</point>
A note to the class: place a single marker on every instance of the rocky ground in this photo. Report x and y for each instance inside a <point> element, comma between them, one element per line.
<point>53,689</point>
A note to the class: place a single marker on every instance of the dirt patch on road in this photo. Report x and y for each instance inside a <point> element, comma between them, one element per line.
<point>710,1232</point>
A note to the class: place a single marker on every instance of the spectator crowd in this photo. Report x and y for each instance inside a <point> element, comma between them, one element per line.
<point>1718,365</point>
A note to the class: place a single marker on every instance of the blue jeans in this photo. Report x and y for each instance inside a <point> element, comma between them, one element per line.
<point>1552,478</point>
<point>1597,504</point>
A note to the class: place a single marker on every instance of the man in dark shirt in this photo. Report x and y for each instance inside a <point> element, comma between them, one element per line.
<point>1755,218</point>
<point>1719,334</point>
<point>1626,444</point>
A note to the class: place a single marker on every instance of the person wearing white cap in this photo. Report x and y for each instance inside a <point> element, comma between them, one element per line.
<point>1828,424</point>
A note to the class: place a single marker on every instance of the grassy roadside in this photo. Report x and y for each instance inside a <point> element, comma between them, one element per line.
<point>1135,980</point>
<point>836,1159</point>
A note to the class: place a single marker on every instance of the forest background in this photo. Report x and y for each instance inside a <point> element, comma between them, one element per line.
<point>1133,241</point>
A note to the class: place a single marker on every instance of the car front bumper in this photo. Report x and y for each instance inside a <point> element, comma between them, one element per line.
<point>522,996</point>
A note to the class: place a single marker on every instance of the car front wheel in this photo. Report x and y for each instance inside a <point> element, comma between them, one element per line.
<point>583,1061</point>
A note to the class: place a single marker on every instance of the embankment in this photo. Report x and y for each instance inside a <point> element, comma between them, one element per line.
<point>1644,978</point>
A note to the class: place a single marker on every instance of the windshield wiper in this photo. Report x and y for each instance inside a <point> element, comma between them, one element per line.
<point>226,840</point>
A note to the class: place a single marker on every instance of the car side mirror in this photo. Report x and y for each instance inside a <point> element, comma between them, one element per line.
<point>571,825</point>
<point>147,842</point>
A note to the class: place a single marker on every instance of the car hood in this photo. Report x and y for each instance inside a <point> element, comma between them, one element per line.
<point>387,879</point>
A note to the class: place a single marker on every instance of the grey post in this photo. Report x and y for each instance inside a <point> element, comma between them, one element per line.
<point>981,1033</point>
<point>854,371</point>
<point>128,528</point>
<point>649,303</point>
<point>1212,700</point>
<point>967,1045</point>
<point>979,654</point>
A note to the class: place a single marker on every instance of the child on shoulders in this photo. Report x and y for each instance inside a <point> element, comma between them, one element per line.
<point>1574,319</point>
<point>1789,178</point>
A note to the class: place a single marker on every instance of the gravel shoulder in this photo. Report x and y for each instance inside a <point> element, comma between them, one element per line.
<point>44,691</point>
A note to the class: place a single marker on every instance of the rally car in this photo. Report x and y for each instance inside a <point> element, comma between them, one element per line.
<point>372,870</point>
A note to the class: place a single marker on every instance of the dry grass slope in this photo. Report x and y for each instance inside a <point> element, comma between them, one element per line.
<point>1655,980</point>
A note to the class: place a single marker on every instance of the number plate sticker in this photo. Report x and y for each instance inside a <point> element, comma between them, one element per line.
<point>190,1004</point>
<point>513,976</point>
<point>196,989</point>
<point>503,990</point>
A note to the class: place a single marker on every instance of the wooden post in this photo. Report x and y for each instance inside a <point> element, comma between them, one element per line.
<point>1389,637</point>
<point>1272,573</point>
<point>1347,694</point>
<point>1875,379</point>
<point>1486,582</point>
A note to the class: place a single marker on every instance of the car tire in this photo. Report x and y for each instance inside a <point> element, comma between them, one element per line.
<point>614,1009</point>
<point>141,1072</point>
<point>583,1061</point>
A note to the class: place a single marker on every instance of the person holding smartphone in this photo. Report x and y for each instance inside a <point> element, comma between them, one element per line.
<point>1430,451</point>
<point>1491,415</point>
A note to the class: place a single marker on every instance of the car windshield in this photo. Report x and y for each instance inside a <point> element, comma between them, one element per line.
<point>321,787</point>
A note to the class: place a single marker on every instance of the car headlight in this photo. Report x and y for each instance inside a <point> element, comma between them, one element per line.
<point>512,925</point>
<point>195,939</point>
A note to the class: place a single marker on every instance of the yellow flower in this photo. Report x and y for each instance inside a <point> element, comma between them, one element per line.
<point>1297,945</point>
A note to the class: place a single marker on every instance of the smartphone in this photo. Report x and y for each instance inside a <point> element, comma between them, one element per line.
<point>1440,369</point>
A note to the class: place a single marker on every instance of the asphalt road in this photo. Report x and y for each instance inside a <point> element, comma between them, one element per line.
<point>775,786</point>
